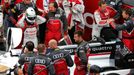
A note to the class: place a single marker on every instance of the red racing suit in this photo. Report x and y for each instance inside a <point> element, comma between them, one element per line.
<point>56,26</point>
<point>81,59</point>
<point>61,60</point>
<point>74,10</point>
<point>101,17</point>
<point>30,31</point>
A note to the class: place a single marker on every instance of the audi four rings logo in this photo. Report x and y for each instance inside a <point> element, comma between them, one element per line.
<point>28,58</point>
<point>40,61</point>
<point>58,56</point>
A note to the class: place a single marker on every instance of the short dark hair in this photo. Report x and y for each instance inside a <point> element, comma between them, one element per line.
<point>95,69</point>
<point>55,4</point>
<point>29,45</point>
<point>41,48</point>
<point>128,11</point>
<point>80,33</point>
<point>102,2</point>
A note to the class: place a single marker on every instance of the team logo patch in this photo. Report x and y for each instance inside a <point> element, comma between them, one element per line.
<point>57,15</point>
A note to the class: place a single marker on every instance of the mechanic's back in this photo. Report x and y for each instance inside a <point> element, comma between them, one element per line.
<point>28,55</point>
<point>41,64</point>
<point>61,59</point>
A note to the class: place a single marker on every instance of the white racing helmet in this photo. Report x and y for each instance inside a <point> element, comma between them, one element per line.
<point>30,15</point>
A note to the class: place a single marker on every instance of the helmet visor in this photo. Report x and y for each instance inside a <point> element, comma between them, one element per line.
<point>31,18</point>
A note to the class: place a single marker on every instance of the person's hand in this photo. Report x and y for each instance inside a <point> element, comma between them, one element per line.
<point>112,24</point>
<point>74,10</point>
<point>66,3</point>
<point>44,13</point>
<point>88,67</point>
<point>65,36</point>
<point>20,72</point>
<point>80,67</point>
<point>110,20</point>
<point>6,1</point>
<point>25,50</point>
<point>69,27</point>
<point>35,50</point>
<point>133,18</point>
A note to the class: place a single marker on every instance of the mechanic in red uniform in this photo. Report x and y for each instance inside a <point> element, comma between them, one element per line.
<point>41,64</point>
<point>81,54</point>
<point>61,59</point>
<point>127,28</point>
<point>56,26</point>
<point>102,16</point>
<point>74,10</point>
<point>42,5</point>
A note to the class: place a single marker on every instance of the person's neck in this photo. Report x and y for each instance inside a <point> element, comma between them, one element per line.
<point>28,23</point>
<point>42,53</point>
<point>101,9</point>
<point>127,18</point>
<point>54,12</point>
<point>81,40</point>
<point>56,48</point>
<point>30,52</point>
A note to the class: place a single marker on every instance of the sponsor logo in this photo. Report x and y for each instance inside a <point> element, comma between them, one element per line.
<point>40,61</point>
<point>28,58</point>
<point>57,15</point>
<point>56,56</point>
<point>102,49</point>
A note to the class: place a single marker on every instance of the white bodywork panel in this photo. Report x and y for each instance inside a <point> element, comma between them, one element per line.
<point>121,72</point>
<point>1,19</point>
<point>16,36</point>
<point>101,60</point>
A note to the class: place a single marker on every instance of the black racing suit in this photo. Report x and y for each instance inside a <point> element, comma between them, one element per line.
<point>25,59</point>
<point>127,32</point>
<point>128,25</point>
<point>41,65</point>
<point>81,59</point>
<point>61,60</point>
